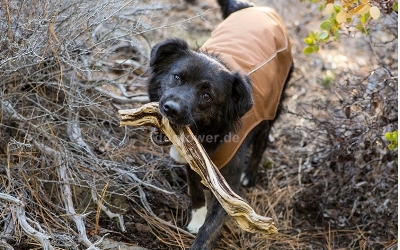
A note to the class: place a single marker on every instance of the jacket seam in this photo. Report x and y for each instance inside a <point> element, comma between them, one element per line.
<point>270,58</point>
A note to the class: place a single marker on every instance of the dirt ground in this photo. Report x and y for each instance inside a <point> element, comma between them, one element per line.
<point>328,179</point>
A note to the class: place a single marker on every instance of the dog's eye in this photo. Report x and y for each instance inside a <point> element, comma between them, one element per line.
<point>207,97</point>
<point>177,78</point>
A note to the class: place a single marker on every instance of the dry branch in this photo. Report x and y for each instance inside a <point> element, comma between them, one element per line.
<point>66,191</point>
<point>146,206</point>
<point>28,229</point>
<point>107,211</point>
<point>194,153</point>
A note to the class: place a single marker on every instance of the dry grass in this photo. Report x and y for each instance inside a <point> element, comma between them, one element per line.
<point>70,172</point>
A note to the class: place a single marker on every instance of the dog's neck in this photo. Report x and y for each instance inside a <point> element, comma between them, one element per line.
<point>211,140</point>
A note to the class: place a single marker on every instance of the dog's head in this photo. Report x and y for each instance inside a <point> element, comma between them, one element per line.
<point>196,89</point>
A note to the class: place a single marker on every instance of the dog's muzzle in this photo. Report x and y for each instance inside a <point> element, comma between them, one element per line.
<point>172,109</point>
<point>175,112</point>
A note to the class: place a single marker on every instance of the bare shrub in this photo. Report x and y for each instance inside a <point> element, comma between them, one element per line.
<point>66,67</point>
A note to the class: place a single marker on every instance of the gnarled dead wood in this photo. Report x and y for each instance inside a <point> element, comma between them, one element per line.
<point>193,152</point>
<point>42,237</point>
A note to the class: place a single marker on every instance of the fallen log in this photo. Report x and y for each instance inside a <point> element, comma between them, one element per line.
<point>193,152</point>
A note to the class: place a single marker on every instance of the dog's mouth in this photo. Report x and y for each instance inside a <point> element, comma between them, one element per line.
<point>176,121</point>
<point>175,113</point>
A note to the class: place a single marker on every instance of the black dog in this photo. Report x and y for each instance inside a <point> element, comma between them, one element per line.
<point>247,60</point>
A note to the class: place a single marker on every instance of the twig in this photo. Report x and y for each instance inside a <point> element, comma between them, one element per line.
<point>123,90</point>
<point>75,133</point>
<point>122,99</point>
<point>69,206</point>
<point>136,179</point>
<point>9,110</point>
<point>7,231</point>
<point>106,210</point>
<point>66,193</point>
<point>93,246</point>
<point>20,214</point>
<point>5,246</point>
<point>152,7</point>
<point>145,204</point>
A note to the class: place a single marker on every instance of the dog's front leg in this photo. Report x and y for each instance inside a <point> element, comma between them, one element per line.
<point>211,228</point>
<point>216,215</point>
<point>198,203</point>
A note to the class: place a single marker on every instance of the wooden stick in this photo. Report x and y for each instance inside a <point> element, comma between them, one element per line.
<point>193,152</point>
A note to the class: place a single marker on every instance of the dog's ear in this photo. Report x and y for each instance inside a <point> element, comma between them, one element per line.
<point>162,55</point>
<point>168,51</point>
<point>241,93</point>
<point>240,100</point>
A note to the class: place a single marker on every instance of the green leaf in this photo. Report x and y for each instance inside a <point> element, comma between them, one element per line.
<point>326,25</point>
<point>324,35</point>
<point>313,35</point>
<point>395,7</point>
<point>308,50</point>
<point>392,138</point>
<point>336,33</point>
<point>315,48</point>
<point>389,136</point>
<point>337,9</point>
<point>309,41</point>
<point>364,18</point>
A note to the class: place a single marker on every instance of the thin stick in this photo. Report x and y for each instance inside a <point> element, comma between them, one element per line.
<point>105,209</point>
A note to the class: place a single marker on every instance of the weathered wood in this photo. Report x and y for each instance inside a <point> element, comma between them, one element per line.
<point>193,152</point>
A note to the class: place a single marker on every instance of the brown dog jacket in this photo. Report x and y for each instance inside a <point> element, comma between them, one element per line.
<point>255,41</point>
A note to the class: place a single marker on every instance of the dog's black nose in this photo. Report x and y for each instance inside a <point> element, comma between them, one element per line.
<point>171,108</point>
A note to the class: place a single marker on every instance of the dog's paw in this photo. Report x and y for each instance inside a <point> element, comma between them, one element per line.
<point>176,156</point>
<point>159,138</point>
<point>198,218</point>
<point>246,180</point>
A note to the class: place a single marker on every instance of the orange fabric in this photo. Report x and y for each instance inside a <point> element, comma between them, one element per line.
<point>255,41</point>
